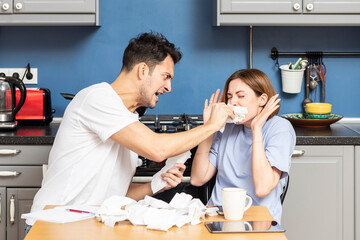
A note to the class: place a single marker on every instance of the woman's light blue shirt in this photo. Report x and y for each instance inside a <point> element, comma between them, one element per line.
<point>231,154</point>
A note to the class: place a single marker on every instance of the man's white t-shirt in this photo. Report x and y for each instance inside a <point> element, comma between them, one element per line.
<point>85,165</point>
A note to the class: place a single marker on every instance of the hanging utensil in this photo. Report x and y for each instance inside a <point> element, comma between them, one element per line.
<point>307,99</point>
<point>321,71</point>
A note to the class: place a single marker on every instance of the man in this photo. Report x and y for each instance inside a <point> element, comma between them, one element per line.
<point>96,149</point>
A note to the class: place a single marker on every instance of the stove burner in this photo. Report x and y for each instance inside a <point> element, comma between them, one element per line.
<point>178,123</point>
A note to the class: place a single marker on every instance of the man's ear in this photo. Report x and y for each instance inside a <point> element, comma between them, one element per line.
<point>142,70</point>
<point>263,99</point>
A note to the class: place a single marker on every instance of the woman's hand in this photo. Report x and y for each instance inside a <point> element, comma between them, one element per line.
<point>209,104</point>
<point>258,122</point>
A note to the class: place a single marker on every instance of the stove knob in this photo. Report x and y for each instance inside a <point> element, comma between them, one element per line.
<point>139,162</point>
<point>5,6</point>
<point>164,128</point>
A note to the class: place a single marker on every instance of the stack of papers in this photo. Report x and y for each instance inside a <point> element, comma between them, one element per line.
<point>63,214</point>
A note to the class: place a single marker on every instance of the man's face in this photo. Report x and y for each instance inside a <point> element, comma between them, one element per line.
<point>156,83</point>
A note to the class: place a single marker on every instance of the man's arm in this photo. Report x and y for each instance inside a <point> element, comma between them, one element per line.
<point>173,177</point>
<point>158,147</point>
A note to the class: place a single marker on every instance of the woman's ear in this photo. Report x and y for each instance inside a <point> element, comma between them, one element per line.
<point>142,70</point>
<point>263,99</point>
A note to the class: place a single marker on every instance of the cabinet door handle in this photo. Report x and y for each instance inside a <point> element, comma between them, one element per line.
<point>9,151</point>
<point>18,6</point>
<point>296,6</point>
<point>309,7</point>
<point>12,209</point>
<point>5,6</point>
<point>298,153</point>
<point>9,173</point>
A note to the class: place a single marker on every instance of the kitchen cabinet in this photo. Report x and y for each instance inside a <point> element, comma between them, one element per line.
<point>287,12</point>
<point>20,178</point>
<point>22,199</point>
<point>49,12</point>
<point>357,193</point>
<point>320,200</point>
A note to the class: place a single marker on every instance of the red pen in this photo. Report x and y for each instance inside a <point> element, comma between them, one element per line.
<point>78,211</point>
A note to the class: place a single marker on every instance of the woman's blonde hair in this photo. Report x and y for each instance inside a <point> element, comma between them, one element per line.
<point>256,80</point>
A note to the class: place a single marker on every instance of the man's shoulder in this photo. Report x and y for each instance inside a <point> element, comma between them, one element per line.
<point>96,88</point>
<point>96,92</point>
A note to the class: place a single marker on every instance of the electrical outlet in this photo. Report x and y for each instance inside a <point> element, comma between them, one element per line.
<point>10,71</point>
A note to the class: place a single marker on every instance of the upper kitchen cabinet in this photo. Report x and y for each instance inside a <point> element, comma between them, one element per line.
<point>49,13</point>
<point>286,13</point>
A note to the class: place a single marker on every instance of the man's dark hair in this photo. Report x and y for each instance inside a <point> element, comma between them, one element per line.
<point>150,48</point>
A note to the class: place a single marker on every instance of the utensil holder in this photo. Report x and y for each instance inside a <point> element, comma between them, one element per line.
<point>291,79</point>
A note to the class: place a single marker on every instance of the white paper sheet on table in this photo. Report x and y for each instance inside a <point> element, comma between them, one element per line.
<point>61,214</point>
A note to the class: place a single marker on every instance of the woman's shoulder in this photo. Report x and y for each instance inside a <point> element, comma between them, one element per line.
<point>279,123</point>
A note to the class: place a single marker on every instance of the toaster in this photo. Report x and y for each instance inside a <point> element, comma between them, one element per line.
<point>36,109</point>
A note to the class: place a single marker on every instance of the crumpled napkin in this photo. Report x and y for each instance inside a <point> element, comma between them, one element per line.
<point>155,214</point>
<point>157,183</point>
<point>240,113</point>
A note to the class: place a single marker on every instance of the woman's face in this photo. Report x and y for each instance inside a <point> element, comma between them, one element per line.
<point>240,94</point>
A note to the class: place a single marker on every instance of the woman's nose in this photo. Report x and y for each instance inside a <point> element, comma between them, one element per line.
<point>233,101</point>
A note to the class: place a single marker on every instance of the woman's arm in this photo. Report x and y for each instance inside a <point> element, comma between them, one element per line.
<point>202,170</point>
<point>265,177</point>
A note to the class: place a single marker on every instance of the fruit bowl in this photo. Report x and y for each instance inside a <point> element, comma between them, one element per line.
<point>298,119</point>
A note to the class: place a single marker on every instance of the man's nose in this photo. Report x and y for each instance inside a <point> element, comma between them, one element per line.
<point>167,87</point>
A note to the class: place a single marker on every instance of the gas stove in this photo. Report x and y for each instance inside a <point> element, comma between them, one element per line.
<point>167,124</point>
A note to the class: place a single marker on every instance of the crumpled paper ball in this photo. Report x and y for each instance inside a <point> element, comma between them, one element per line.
<point>153,213</point>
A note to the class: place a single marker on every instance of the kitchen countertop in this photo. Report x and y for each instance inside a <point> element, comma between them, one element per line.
<point>341,133</point>
<point>33,135</point>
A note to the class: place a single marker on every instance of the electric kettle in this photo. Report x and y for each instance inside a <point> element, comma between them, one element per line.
<point>8,106</point>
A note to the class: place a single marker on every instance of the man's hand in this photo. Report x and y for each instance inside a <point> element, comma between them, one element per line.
<point>216,111</point>
<point>209,104</point>
<point>173,176</point>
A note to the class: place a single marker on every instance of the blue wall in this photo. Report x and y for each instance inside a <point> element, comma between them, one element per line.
<point>71,58</point>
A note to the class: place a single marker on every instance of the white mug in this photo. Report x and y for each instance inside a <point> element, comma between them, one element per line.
<point>233,202</point>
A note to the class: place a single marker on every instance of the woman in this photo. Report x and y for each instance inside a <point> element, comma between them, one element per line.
<point>253,154</point>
